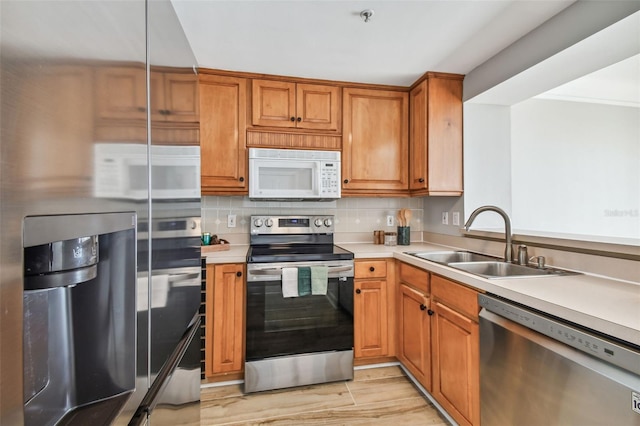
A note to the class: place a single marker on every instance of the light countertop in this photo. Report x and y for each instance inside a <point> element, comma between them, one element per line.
<point>603,304</point>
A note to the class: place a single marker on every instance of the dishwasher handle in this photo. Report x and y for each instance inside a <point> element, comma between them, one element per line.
<point>580,339</point>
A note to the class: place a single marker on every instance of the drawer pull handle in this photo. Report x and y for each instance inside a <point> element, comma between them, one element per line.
<point>371,268</point>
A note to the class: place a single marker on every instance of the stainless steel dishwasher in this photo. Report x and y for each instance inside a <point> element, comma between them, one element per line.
<point>538,370</point>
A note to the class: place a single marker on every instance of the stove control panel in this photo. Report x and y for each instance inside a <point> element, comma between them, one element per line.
<point>280,225</point>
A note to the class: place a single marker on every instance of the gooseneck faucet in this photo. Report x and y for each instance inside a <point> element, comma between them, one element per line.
<point>508,256</point>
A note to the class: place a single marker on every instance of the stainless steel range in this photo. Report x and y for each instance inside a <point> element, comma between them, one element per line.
<point>299,320</point>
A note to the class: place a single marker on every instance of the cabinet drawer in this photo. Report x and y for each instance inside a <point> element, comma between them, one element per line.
<point>416,277</point>
<point>370,269</point>
<point>456,296</point>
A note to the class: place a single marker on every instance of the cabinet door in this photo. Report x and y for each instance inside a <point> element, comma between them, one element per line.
<point>273,103</point>
<point>370,318</point>
<point>436,136</point>
<point>418,154</point>
<point>317,107</point>
<point>223,148</point>
<point>225,318</point>
<point>180,93</point>
<point>456,378</point>
<point>53,124</point>
<point>414,339</point>
<point>121,92</point>
<point>375,142</point>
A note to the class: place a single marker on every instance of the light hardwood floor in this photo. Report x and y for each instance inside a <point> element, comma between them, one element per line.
<point>376,396</point>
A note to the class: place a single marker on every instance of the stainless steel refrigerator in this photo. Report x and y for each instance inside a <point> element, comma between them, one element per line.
<point>99,215</point>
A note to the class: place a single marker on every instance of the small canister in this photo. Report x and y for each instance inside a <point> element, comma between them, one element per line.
<point>390,238</point>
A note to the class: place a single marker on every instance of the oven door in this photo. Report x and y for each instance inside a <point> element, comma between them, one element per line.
<point>279,326</point>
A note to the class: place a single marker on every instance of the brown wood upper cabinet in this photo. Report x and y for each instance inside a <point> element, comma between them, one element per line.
<point>223,149</point>
<point>435,153</point>
<point>174,97</point>
<point>375,142</point>
<point>295,105</point>
<point>121,93</point>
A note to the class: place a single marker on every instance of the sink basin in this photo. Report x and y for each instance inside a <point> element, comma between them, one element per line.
<point>447,257</point>
<point>505,270</point>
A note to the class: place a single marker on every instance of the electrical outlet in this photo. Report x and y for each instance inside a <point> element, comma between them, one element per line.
<point>231,221</point>
<point>445,218</point>
<point>389,220</point>
<point>455,218</point>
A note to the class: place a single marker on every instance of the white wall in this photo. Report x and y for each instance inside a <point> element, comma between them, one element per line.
<point>487,162</point>
<point>576,168</point>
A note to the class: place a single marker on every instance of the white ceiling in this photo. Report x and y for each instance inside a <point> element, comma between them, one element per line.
<point>328,39</point>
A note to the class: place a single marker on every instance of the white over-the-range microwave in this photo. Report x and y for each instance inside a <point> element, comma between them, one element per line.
<point>121,171</point>
<point>291,174</point>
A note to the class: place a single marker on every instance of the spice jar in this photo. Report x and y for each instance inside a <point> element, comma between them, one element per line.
<point>390,238</point>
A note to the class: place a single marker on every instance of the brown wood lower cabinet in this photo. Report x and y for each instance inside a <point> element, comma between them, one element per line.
<point>373,317</point>
<point>455,350</point>
<point>414,323</point>
<point>224,332</point>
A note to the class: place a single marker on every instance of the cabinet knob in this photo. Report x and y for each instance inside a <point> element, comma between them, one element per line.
<point>371,268</point>
<point>346,181</point>
<point>422,307</point>
<point>142,109</point>
<point>430,312</point>
<point>299,119</point>
<point>167,112</point>
<point>421,180</point>
<point>358,291</point>
<point>241,179</point>
<point>238,274</point>
<point>293,119</point>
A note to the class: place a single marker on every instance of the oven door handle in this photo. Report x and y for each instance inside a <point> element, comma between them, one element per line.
<point>278,271</point>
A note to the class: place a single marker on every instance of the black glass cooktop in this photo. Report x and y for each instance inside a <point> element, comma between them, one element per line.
<point>274,253</point>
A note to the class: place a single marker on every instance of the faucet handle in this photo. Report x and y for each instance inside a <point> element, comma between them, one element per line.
<point>522,255</point>
<point>538,260</point>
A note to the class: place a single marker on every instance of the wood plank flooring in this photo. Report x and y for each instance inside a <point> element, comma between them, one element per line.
<point>376,396</point>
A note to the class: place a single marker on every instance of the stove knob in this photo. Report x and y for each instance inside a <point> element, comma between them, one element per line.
<point>268,223</point>
<point>257,223</point>
<point>328,222</point>
<point>194,224</point>
<point>317,222</point>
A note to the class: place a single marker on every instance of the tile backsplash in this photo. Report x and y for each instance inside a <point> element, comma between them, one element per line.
<point>355,218</point>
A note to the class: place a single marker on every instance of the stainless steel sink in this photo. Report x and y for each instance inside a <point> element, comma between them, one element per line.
<point>487,266</point>
<point>447,257</point>
<point>506,270</point>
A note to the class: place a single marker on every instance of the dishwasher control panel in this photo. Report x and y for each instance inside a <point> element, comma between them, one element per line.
<point>580,339</point>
